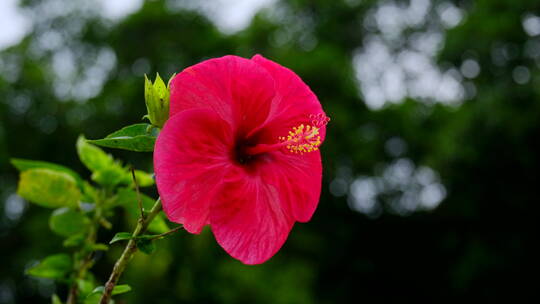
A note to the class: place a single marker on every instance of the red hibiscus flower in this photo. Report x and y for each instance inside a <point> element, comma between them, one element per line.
<point>240,153</point>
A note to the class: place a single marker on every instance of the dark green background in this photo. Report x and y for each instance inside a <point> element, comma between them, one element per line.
<point>478,244</point>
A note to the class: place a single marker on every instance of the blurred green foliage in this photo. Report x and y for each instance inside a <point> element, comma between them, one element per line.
<point>479,243</point>
<point>83,209</point>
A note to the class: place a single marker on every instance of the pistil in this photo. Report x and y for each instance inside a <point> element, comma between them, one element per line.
<point>300,140</point>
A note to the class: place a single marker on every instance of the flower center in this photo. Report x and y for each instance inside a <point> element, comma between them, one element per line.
<point>300,140</point>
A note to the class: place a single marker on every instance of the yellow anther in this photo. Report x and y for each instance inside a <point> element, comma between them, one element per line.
<point>302,139</point>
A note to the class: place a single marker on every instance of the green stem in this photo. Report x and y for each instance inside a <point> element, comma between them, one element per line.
<point>83,264</point>
<point>128,253</point>
<point>164,234</point>
<point>139,200</point>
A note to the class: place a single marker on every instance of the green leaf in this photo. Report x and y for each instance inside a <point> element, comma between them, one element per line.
<point>55,299</point>
<point>48,188</point>
<point>127,198</point>
<point>137,137</point>
<point>120,236</point>
<point>99,247</point>
<point>26,164</point>
<point>111,176</point>
<point>74,240</point>
<point>146,245</point>
<point>93,298</point>
<point>158,225</point>
<point>105,170</point>
<point>99,289</point>
<point>144,179</point>
<point>120,289</point>
<point>95,295</point>
<point>53,267</point>
<point>93,157</point>
<point>85,287</point>
<point>89,193</point>
<point>68,222</point>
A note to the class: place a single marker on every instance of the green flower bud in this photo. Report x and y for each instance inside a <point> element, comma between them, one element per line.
<point>156,97</point>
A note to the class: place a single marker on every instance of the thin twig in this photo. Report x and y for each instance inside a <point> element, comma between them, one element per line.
<point>164,234</point>
<point>128,253</point>
<point>105,224</point>
<point>139,200</point>
<point>85,264</point>
<point>82,265</point>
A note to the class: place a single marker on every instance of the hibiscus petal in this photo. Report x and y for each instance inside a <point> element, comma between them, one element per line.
<point>298,180</point>
<point>248,219</point>
<point>294,103</point>
<point>237,89</point>
<point>191,155</point>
